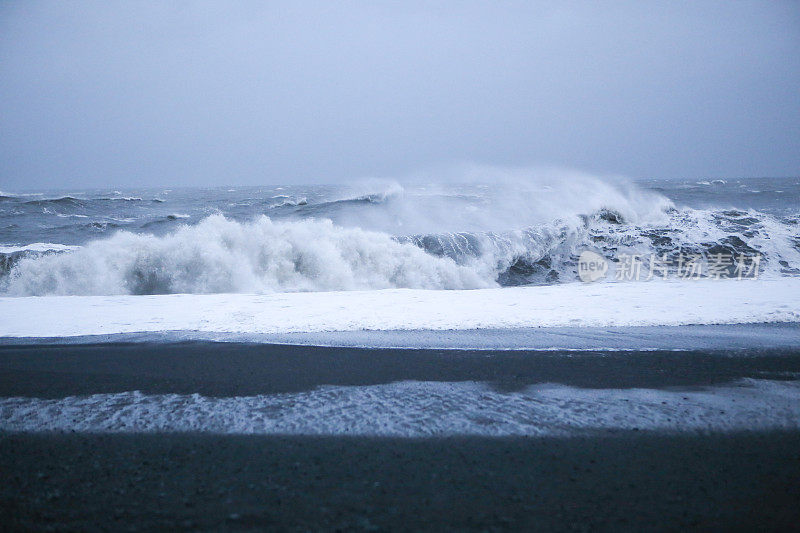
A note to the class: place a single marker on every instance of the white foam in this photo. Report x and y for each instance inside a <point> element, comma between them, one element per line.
<point>419,409</point>
<point>654,303</point>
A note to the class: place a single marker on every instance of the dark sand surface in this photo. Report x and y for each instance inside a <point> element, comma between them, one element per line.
<point>625,481</point>
<point>612,481</point>
<point>234,369</point>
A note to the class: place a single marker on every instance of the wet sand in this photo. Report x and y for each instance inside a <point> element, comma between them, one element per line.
<point>235,369</point>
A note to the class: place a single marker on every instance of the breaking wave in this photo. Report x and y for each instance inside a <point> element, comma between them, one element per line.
<point>221,255</point>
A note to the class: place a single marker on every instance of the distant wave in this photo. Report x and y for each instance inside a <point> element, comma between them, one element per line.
<point>16,196</point>
<point>175,217</point>
<point>36,247</point>
<point>101,225</point>
<point>287,201</point>
<point>386,193</point>
<point>120,198</point>
<point>368,199</point>
<point>69,201</point>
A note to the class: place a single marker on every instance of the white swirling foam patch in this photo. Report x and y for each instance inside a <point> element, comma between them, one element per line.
<point>420,409</point>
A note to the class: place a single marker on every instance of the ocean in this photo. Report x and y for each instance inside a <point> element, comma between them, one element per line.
<point>383,235</point>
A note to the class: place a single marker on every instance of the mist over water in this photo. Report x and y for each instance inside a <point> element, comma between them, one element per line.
<point>491,227</point>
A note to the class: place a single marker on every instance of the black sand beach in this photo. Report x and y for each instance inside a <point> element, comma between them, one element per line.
<point>611,480</point>
<point>616,482</point>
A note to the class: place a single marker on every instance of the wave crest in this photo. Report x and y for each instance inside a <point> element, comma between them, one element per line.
<point>220,255</point>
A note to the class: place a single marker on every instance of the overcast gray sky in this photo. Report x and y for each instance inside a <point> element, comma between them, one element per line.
<point>138,93</point>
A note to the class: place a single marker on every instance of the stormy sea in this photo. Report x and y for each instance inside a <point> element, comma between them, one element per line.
<point>496,352</point>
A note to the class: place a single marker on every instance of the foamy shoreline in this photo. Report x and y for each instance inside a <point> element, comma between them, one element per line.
<point>658,303</point>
